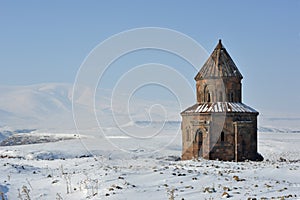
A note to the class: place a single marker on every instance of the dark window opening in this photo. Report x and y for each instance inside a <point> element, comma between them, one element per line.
<point>207,94</point>
<point>198,137</point>
<point>208,97</point>
<point>231,98</point>
<point>222,137</point>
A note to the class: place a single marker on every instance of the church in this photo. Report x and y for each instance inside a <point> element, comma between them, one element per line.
<point>219,126</point>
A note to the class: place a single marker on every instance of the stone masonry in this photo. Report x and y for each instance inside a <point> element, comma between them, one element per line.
<point>219,126</point>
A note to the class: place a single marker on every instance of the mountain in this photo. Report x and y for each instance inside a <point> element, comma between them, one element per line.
<point>49,106</point>
<point>36,106</point>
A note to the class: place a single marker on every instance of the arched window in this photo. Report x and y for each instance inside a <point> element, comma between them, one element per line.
<point>222,136</point>
<point>231,97</point>
<point>208,97</point>
<point>238,95</point>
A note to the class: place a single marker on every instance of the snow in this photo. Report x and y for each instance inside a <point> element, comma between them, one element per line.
<point>96,168</point>
<point>48,159</point>
<point>221,107</point>
<point>38,106</point>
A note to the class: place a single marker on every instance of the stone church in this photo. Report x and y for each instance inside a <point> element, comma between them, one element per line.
<point>219,126</point>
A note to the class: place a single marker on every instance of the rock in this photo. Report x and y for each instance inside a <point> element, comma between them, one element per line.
<point>237,178</point>
<point>209,190</point>
<point>225,195</point>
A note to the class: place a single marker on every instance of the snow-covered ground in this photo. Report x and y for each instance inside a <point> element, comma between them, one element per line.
<point>94,167</point>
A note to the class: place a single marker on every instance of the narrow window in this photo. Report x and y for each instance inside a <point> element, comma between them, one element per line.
<point>208,97</point>
<point>222,136</point>
<point>238,95</point>
<point>231,96</point>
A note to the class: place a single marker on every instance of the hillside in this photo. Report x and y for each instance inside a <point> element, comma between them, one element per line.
<point>49,106</point>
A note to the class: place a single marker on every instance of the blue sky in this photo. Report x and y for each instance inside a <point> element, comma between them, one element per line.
<point>46,41</point>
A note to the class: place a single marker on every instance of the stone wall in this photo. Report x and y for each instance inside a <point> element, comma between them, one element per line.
<point>220,90</point>
<point>231,136</point>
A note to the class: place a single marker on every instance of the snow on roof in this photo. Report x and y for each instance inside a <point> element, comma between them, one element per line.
<point>220,107</point>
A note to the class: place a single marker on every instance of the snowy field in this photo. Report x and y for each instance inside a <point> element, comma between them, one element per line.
<point>93,167</point>
<point>43,157</point>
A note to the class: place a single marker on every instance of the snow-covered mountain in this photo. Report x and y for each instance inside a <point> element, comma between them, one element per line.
<point>37,106</point>
<point>49,106</point>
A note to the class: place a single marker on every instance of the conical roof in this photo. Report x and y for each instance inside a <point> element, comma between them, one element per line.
<point>219,64</point>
